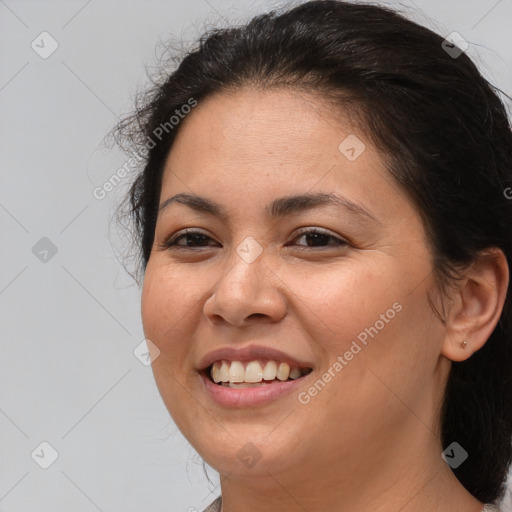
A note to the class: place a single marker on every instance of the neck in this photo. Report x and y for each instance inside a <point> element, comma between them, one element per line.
<point>377,481</point>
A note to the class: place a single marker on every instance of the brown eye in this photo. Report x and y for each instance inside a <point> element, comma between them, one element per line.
<point>192,239</point>
<point>319,238</point>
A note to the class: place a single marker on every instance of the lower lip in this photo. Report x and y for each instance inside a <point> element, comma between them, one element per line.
<point>243,397</point>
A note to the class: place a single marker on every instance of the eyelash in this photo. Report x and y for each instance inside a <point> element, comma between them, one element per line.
<point>171,243</point>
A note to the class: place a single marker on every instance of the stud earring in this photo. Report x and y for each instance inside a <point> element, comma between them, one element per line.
<point>463,344</point>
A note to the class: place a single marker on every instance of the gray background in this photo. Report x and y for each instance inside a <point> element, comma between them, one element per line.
<point>70,321</point>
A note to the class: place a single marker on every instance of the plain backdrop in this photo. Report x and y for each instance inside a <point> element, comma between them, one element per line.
<point>73,394</point>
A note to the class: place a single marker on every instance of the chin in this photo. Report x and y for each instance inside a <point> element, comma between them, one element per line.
<point>248,455</point>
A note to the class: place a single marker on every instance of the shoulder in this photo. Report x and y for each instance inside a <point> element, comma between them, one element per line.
<point>215,506</point>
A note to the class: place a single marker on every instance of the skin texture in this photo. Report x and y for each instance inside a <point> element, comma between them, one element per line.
<point>370,439</point>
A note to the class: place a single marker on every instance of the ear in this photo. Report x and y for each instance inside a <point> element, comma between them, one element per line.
<point>477,305</point>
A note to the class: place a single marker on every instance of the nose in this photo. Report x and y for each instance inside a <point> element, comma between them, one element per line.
<point>247,293</point>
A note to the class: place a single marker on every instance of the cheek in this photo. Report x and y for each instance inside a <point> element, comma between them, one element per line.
<point>166,311</point>
<point>156,305</point>
<point>371,319</point>
<point>341,303</point>
<point>166,318</point>
<point>167,295</point>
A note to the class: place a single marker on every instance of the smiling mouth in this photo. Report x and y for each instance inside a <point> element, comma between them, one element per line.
<point>237,374</point>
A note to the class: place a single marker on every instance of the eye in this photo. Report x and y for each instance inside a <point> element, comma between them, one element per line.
<point>197,239</point>
<point>193,236</point>
<point>319,237</point>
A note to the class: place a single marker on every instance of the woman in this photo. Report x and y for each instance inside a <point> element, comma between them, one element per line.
<point>324,232</point>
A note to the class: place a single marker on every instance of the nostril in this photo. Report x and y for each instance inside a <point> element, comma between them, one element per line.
<point>256,315</point>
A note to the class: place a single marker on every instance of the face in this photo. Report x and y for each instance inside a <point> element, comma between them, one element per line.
<point>338,288</point>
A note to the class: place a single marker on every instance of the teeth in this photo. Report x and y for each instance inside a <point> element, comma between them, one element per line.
<point>215,373</point>
<point>224,372</point>
<point>235,373</point>
<point>270,371</point>
<point>253,372</point>
<point>295,373</point>
<point>245,384</point>
<point>283,371</point>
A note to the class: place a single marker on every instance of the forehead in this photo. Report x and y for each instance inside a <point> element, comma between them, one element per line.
<point>261,131</point>
<point>246,146</point>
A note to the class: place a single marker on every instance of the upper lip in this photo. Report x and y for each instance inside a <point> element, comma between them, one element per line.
<point>250,353</point>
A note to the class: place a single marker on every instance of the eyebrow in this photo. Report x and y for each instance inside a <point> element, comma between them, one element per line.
<point>280,207</point>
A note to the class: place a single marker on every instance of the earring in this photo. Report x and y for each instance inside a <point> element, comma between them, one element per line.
<point>463,344</point>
